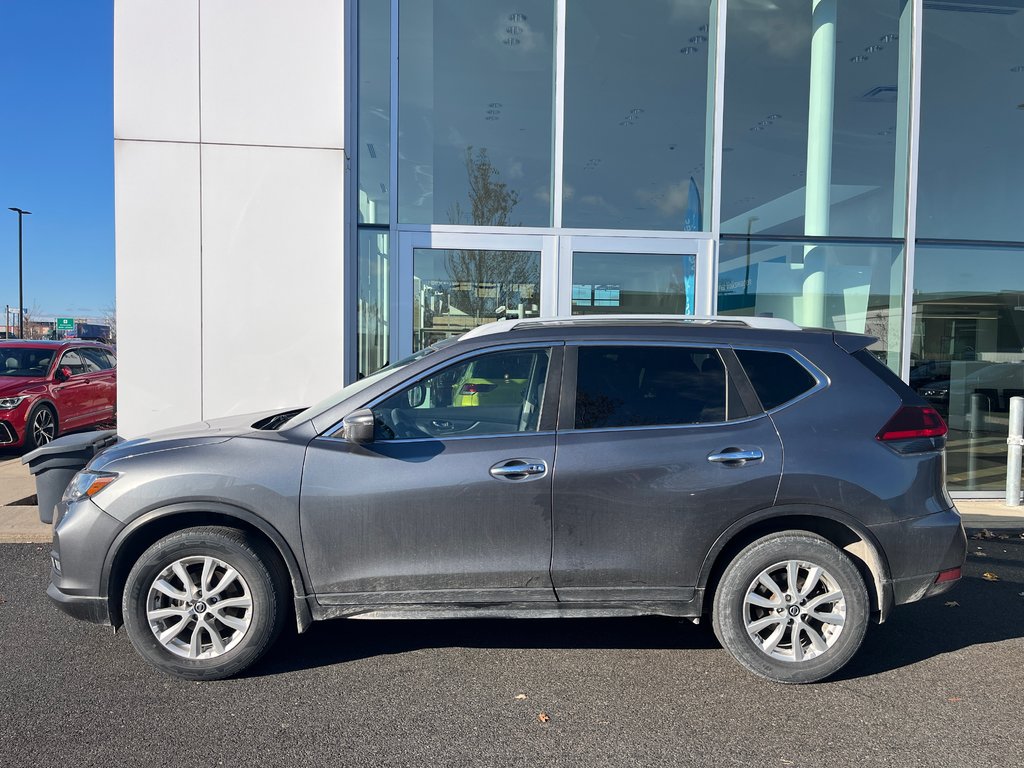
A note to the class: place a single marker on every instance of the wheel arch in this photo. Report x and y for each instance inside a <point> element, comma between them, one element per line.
<point>831,524</point>
<point>147,529</point>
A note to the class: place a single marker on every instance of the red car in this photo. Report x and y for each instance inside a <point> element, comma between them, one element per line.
<point>52,387</point>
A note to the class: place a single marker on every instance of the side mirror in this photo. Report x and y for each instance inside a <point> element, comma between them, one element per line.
<point>62,374</point>
<point>358,426</point>
<point>416,396</point>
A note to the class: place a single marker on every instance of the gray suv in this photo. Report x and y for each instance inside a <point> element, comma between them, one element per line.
<point>780,482</point>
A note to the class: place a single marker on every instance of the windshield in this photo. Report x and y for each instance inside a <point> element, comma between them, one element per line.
<point>358,386</point>
<point>21,361</point>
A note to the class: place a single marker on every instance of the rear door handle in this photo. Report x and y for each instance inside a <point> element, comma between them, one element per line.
<point>736,457</point>
<point>519,469</point>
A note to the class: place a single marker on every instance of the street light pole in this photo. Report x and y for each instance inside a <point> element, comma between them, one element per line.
<point>21,285</point>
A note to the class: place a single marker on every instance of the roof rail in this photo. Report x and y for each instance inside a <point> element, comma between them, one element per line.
<point>503,326</point>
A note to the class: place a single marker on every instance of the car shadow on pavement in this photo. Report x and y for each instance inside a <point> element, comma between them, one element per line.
<point>335,642</point>
<point>978,611</point>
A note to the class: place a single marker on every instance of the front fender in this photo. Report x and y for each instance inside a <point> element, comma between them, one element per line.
<point>201,512</point>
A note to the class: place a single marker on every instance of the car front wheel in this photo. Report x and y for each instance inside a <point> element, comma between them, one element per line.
<point>205,603</point>
<point>791,607</point>
<point>41,427</point>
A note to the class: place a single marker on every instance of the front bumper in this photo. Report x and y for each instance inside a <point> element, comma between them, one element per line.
<point>918,550</point>
<point>84,607</point>
<point>81,541</point>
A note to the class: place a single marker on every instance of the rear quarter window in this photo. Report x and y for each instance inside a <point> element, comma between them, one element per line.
<point>777,377</point>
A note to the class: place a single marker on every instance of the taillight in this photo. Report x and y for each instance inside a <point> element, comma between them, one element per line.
<point>953,574</point>
<point>476,389</point>
<point>913,421</point>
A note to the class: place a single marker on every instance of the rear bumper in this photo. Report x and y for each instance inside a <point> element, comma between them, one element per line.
<point>918,550</point>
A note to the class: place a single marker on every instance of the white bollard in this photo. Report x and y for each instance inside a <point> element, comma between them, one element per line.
<point>1015,447</point>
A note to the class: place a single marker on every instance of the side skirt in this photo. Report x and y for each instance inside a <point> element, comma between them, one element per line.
<point>537,610</point>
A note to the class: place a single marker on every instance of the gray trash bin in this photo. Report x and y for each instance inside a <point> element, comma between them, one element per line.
<point>55,463</point>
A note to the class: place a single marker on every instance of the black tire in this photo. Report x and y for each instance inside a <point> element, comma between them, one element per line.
<point>40,413</point>
<point>824,647</point>
<point>261,582</point>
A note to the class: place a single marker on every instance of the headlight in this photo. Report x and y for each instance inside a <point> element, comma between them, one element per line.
<point>6,403</point>
<point>87,484</point>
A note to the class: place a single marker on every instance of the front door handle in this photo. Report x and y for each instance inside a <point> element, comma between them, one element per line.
<point>519,469</point>
<point>734,457</point>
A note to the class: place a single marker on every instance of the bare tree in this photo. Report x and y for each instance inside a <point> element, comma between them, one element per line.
<point>481,281</point>
<point>109,319</point>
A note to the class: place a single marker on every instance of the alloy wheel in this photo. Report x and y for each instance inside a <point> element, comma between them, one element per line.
<point>43,427</point>
<point>794,611</point>
<point>199,607</point>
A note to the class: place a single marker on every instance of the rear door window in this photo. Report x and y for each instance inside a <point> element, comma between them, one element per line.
<point>640,386</point>
<point>776,377</point>
<point>96,359</point>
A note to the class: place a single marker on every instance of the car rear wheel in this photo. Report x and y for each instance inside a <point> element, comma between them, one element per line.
<point>205,603</point>
<point>41,427</point>
<point>791,607</point>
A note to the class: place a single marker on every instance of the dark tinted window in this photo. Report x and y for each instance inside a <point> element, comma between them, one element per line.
<point>777,378</point>
<point>647,386</point>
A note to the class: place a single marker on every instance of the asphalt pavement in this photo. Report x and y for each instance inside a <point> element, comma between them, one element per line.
<point>941,684</point>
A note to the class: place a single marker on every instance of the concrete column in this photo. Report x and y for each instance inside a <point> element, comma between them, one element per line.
<point>821,100</point>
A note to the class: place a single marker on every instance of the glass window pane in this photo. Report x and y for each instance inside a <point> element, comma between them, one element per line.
<point>966,353</point>
<point>857,288</point>
<point>475,112</point>
<point>456,290</point>
<point>496,393</point>
<point>632,283</point>
<point>374,329</point>
<point>815,137</point>
<point>776,377</point>
<point>648,386</point>
<point>972,123</point>
<point>636,96</point>
<point>374,111</point>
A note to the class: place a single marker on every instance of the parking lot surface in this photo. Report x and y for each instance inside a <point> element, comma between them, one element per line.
<point>941,684</point>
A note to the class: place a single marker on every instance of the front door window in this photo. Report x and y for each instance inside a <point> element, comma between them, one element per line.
<point>494,394</point>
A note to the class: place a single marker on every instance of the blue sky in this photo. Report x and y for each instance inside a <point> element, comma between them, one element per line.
<point>57,155</point>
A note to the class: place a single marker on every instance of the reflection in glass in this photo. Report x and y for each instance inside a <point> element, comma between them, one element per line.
<point>636,96</point>
<point>456,290</point>
<point>374,111</point>
<point>972,94</point>
<point>475,112</point>
<point>855,288</point>
<point>632,283</point>
<point>374,331</point>
<point>966,353</point>
<point>815,136</point>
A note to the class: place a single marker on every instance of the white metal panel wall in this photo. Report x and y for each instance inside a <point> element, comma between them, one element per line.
<point>156,193</point>
<point>272,277</point>
<point>273,72</point>
<point>230,246</point>
<point>156,70</point>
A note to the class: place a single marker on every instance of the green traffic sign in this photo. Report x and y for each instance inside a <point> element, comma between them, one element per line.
<point>65,323</point>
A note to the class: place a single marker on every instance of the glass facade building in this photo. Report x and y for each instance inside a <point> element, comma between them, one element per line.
<point>849,164</point>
